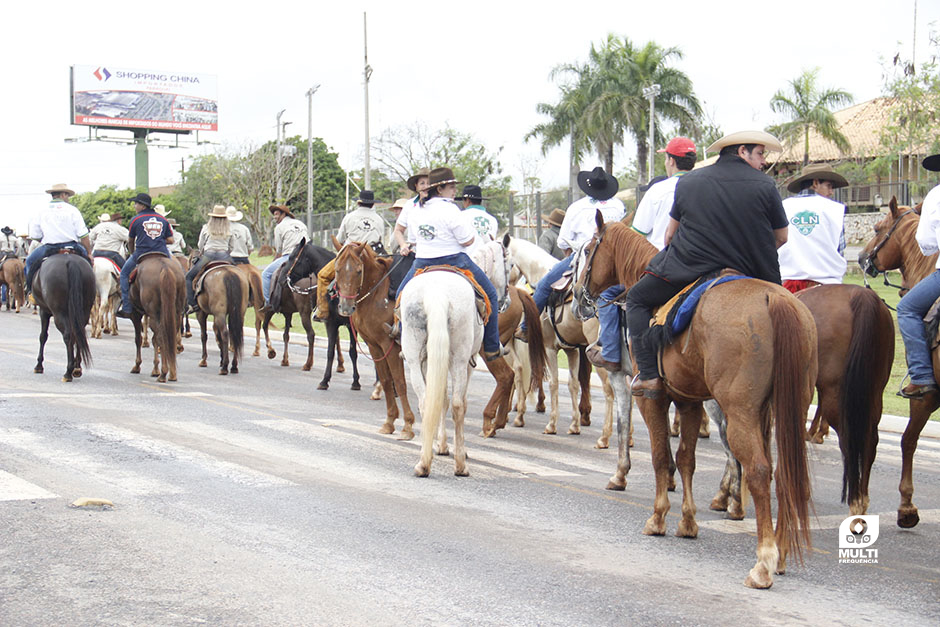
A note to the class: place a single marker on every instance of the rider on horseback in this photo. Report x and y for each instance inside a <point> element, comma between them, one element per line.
<point>241,237</point>
<point>288,234</point>
<point>149,232</point>
<point>915,304</point>
<point>443,233</point>
<point>216,242</point>
<point>109,239</point>
<point>723,216</point>
<point>59,225</point>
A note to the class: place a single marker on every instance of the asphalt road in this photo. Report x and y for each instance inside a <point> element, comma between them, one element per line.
<point>256,499</point>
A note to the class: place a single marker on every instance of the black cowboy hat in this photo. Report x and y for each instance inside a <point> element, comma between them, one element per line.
<point>598,184</point>
<point>932,163</point>
<point>143,199</point>
<point>367,197</point>
<point>473,192</point>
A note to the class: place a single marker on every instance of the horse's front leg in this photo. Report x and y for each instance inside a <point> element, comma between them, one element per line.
<point>401,388</point>
<point>354,358</point>
<point>604,440</point>
<point>623,409</point>
<point>551,363</point>
<point>202,318</point>
<point>575,390</point>
<point>288,317</point>
<point>138,341</point>
<point>331,341</point>
<point>311,338</point>
<point>920,412</point>
<point>655,414</point>
<point>267,339</point>
<point>221,338</point>
<point>43,336</point>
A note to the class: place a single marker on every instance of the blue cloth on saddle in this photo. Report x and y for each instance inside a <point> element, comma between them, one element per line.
<point>686,308</point>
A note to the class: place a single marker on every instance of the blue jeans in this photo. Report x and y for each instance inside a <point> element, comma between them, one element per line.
<point>267,274</point>
<point>610,324</point>
<point>544,289</point>
<point>462,261</point>
<point>911,311</point>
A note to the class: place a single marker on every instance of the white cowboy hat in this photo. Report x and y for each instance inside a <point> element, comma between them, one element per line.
<point>163,211</point>
<point>104,217</point>
<point>218,211</point>
<point>768,141</point>
<point>234,215</point>
<point>401,203</point>
<point>58,188</point>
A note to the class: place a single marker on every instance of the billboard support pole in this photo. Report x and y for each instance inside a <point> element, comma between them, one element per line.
<point>141,161</point>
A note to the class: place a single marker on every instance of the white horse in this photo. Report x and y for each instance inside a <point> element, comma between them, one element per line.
<point>534,263</point>
<point>107,298</point>
<point>441,331</point>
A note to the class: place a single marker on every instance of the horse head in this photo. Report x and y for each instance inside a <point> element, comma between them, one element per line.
<point>885,251</point>
<point>350,268</point>
<point>496,262</point>
<point>583,304</point>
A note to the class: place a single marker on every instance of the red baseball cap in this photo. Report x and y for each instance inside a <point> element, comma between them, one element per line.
<point>679,147</point>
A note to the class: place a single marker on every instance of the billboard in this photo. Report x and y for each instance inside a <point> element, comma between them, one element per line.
<point>119,97</point>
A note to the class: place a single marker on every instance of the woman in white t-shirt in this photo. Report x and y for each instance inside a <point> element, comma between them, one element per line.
<point>442,235</point>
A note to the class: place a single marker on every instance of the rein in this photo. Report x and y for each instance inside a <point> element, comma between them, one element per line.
<point>367,353</point>
<point>290,284</point>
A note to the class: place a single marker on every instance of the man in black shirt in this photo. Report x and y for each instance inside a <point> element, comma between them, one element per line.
<point>728,215</point>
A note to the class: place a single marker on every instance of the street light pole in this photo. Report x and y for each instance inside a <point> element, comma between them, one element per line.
<point>277,157</point>
<point>310,93</point>
<point>651,92</point>
<point>367,73</point>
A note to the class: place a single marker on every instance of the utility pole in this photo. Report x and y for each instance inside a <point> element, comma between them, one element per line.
<point>277,157</point>
<point>651,92</point>
<point>141,161</point>
<point>310,93</point>
<point>367,73</point>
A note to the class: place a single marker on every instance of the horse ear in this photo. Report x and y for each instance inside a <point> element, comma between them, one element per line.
<point>303,242</point>
<point>599,220</point>
<point>893,206</point>
<point>506,240</point>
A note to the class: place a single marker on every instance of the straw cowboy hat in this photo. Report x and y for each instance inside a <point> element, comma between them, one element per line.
<point>60,188</point>
<point>768,141</point>
<point>401,203</point>
<point>234,215</point>
<point>163,211</point>
<point>441,176</point>
<point>172,221</point>
<point>814,171</point>
<point>932,163</point>
<point>556,217</point>
<point>104,217</point>
<point>218,211</point>
<point>412,181</point>
<point>282,208</point>
<point>598,184</point>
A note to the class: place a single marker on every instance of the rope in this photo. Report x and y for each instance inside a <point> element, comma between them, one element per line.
<point>367,353</point>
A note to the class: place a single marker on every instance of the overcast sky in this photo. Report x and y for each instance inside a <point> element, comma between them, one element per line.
<point>479,66</point>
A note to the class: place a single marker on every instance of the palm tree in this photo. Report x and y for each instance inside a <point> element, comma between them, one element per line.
<point>808,107</point>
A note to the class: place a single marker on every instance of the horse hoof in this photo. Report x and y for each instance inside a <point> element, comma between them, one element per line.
<point>154,374</point>
<point>135,370</point>
<point>518,422</point>
<point>421,471</point>
<point>817,439</point>
<point>304,368</point>
<point>549,431</point>
<point>387,429</point>
<point>462,473</point>
<point>445,452</point>
<point>406,434</point>
<point>671,483</point>
<point>540,409</point>
<point>179,349</point>
<point>488,433</point>
<point>234,370</point>
<point>66,379</point>
<point>161,378</point>
<point>687,530</point>
<point>77,373</point>
<point>630,442</point>
<point>256,353</point>
<point>285,364</point>
<point>654,527</point>
<point>187,334</point>
<point>223,372</point>
<point>323,386</point>
<point>202,364</point>
<point>616,486</point>
<point>908,519</point>
<point>272,353</point>
<point>355,386</point>
<point>759,578</point>
<point>574,431</point>
<point>340,368</point>
<point>105,331</point>
<point>585,421</point>
<point>602,443</point>
<point>719,504</point>
<point>38,370</point>
<point>171,378</point>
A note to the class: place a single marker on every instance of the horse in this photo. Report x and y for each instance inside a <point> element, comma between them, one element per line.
<point>12,275</point>
<point>895,247</point>
<point>64,289</point>
<point>107,298</point>
<point>255,299</point>
<point>751,346</point>
<point>224,296</point>
<point>185,264</point>
<point>441,331</point>
<point>159,294</point>
<point>564,332</point>
<point>362,282</point>
<point>302,266</point>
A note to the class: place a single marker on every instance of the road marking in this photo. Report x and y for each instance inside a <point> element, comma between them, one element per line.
<point>56,455</point>
<point>237,473</point>
<point>12,488</point>
<point>830,521</point>
<point>80,396</point>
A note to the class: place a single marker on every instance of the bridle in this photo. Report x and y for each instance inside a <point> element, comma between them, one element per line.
<point>358,299</point>
<point>583,294</point>
<point>869,260</point>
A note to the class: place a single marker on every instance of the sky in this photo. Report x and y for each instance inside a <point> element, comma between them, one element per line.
<point>480,67</point>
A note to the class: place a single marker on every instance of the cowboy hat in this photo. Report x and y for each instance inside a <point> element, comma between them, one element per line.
<point>163,211</point>
<point>143,199</point>
<point>401,203</point>
<point>172,221</point>
<point>218,211</point>
<point>556,217</point>
<point>104,217</point>
<point>473,192</point>
<point>282,208</point>
<point>366,197</point>
<point>932,163</point>
<point>60,188</point>
<point>412,181</point>
<point>6,230</point>
<point>598,184</point>
<point>767,140</point>
<point>441,176</point>
<point>813,171</point>
<point>234,215</point>
<point>652,181</point>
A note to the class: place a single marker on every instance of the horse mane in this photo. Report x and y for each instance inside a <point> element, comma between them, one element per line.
<point>631,252</point>
<point>312,259</point>
<point>915,265</point>
<point>488,256</point>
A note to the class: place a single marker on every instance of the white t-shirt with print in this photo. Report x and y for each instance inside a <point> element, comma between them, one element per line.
<point>814,237</point>
<point>484,225</point>
<point>58,223</point>
<point>928,229</point>
<point>440,228</point>
<point>402,221</point>
<point>652,216</point>
<point>579,224</point>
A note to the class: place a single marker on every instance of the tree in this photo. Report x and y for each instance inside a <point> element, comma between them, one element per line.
<point>809,107</point>
<point>106,199</point>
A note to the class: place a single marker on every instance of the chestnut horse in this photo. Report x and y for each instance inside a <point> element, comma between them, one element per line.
<point>64,289</point>
<point>11,275</point>
<point>894,247</point>
<point>224,296</point>
<point>255,299</point>
<point>751,346</point>
<point>159,294</point>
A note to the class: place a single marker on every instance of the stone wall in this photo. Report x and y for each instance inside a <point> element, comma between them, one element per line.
<point>860,227</point>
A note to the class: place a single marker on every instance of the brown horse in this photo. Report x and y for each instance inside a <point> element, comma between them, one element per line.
<point>64,289</point>
<point>11,275</point>
<point>159,294</point>
<point>894,247</point>
<point>751,346</point>
<point>255,299</point>
<point>224,296</point>
<point>185,264</point>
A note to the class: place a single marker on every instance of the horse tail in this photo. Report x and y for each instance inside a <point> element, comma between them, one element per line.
<point>871,351</point>
<point>791,356</point>
<point>170,315</point>
<point>438,366</point>
<point>255,294</point>
<point>77,309</point>
<point>234,314</point>
<point>533,334</point>
<point>19,283</point>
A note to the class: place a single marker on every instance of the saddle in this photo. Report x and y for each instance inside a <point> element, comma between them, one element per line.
<point>484,307</point>
<point>204,272</point>
<point>133,275</point>
<point>4,256</point>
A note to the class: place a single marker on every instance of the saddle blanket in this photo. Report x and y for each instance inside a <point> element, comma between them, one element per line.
<point>676,314</point>
<point>201,277</point>
<point>115,269</point>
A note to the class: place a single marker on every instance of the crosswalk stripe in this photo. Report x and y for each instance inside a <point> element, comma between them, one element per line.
<point>59,456</point>
<point>237,473</point>
<point>12,488</point>
<point>80,396</point>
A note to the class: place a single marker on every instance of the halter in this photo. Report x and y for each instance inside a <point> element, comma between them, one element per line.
<point>874,253</point>
<point>585,294</point>
<point>290,284</point>
<point>356,296</point>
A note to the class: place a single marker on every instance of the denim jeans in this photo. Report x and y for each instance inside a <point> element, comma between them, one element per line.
<point>911,311</point>
<point>462,261</point>
<point>610,324</point>
<point>544,288</point>
<point>268,273</point>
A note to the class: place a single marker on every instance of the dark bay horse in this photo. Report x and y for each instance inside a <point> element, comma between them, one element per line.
<point>224,296</point>
<point>298,296</point>
<point>895,247</point>
<point>159,294</point>
<point>64,289</point>
<point>751,346</point>
<point>11,275</point>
